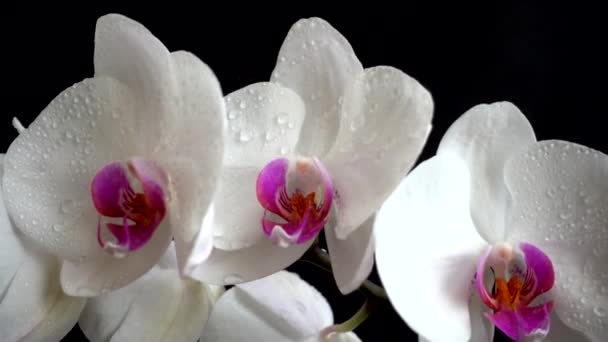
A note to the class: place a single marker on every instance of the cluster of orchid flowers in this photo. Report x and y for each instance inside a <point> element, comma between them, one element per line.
<point>138,194</point>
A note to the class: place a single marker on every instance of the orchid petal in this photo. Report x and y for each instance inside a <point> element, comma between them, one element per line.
<point>32,305</point>
<point>427,248</point>
<point>126,51</point>
<point>559,332</point>
<point>318,63</point>
<point>485,137</point>
<point>281,307</point>
<point>264,121</point>
<point>192,155</point>
<point>352,259</point>
<point>482,329</point>
<point>385,120</point>
<point>264,129</point>
<point>94,276</point>
<point>158,306</point>
<point>50,166</point>
<point>224,267</point>
<point>559,193</point>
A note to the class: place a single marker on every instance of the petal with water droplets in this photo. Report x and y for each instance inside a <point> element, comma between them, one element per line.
<point>318,63</point>
<point>485,137</point>
<point>559,192</point>
<point>32,305</point>
<point>192,154</point>
<point>50,166</point>
<point>384,122</point>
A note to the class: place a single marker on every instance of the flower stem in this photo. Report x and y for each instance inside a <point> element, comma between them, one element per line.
<point>352,323</point>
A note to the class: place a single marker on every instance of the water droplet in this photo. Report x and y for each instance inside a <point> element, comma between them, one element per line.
<point>284,150</point>
<point>242,105</point>
<point>57,227</point>
<point>599,311</point>
<point>565,216</point>
<point>68,206</point>
<point>233,279</point>
<point>551,193</point>
<point>233,114</point>
<point>269,136</point>
<point>282,118</point>
<point>245,137</point>
<point>290,125</point>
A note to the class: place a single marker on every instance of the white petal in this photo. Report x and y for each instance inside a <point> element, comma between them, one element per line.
<point>318,63</point>
<point>158,306</point>
<point>192,155</point>
<point>263,130</point>
<point>340,337</point>
<point>238,214</point>
<point>485,137</point>
<point>32,305</point>
<point>94,276</point>
<point>126,51</point>
<point>352,259</point>
<point>560,192</point>
<point>49,167</point>
<point>385,120</point>
<point>264,122</point>
<point>482,329</point>
<point>246,264</point>
<point>427,249</point>
<point>281,307</point>
<point>559,332</point>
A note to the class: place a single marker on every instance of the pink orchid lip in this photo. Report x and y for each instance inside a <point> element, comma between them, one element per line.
<point>129,196</point>
<point>511,299</point>
<point>294,215</point>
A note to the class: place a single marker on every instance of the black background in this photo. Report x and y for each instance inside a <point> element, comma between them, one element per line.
<point>547,59</point>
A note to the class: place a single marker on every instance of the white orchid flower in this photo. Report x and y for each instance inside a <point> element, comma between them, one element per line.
<point>280,307</point>
<point>496,208</point>
<point>323,135</point>
<point>158,306</point>
<point>119,164</point>
<point>32,305</point>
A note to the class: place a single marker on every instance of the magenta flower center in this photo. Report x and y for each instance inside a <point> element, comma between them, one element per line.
<point>130,199</point>
<point>515,286</point>
<point>296,197</point>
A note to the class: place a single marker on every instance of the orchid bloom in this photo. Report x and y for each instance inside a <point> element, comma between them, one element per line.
<point>158,306</point>
<point>280,307</point>
<point>320,146</point>
<point>499,230</point>
<point>32,305</point>
<point>119,164</point>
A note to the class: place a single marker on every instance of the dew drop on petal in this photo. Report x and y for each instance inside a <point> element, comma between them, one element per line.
<point>282,118</point>
<point>599,311</point>
<point>245,137</point>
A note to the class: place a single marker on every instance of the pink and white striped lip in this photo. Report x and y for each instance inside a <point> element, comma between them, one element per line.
<point>130,199</point>
<point>514,291</point>
<point>297,196</point>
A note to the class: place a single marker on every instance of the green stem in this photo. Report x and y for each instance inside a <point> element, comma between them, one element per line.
<point>352,323</point>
